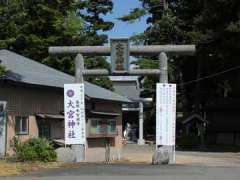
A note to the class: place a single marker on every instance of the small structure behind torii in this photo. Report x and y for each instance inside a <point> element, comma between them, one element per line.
<point>129,86</point>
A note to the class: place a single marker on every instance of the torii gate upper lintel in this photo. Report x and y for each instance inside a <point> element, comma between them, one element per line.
<point>133,50</point>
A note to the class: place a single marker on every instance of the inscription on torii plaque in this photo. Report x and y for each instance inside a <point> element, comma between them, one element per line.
<point>119,55</point>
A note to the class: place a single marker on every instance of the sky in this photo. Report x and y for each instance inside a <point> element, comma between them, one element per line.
<point>123,29</point>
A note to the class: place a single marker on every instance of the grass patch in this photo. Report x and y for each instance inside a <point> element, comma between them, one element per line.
<point>11,168</point>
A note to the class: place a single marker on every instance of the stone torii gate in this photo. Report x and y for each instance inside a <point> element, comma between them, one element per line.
<point>120,50</point>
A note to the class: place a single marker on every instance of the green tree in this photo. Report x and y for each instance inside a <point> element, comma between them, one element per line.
<point>213,26</point>
<point>99,63</point>
<point>93,16</point>
<point>30,27</point>
<point>95,10</point>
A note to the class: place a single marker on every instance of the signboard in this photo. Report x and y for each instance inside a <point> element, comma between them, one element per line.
<point>119,55</point>
<point>74,112</point>
<point>166,114</point>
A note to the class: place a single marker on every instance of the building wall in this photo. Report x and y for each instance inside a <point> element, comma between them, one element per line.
<point>57,129</point>
<point>96,146</point>
<point>32,132</point>
<point>128,89</point>
<point>31,100</point>
<point>28,101</point>
<point>113,107</point>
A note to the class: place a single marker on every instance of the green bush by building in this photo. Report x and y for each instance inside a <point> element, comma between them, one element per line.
<point>36,149</point>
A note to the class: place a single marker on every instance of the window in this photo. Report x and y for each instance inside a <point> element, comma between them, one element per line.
<point>21,125</point>
<point>112,126</point>
<point>44,131</point>
<point>103,126</point>
<point>95,126</point>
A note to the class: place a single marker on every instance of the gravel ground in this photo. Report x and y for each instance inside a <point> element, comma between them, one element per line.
<point>143,154</point>
<point>136,162</point>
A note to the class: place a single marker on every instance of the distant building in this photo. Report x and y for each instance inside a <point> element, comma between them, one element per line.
<point>129,87</point>
<point>33,95</point>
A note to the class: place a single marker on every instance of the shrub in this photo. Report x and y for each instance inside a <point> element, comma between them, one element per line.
<point>2,70</point>
<point>36,149</point>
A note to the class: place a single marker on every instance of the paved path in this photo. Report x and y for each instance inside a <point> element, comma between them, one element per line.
<point>136,171</point>
<point>137,164</point>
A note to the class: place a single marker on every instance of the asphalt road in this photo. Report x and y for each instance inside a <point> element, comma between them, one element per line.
<point>136,171</point>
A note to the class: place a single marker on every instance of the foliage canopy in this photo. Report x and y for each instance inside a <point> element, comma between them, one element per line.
<point>30,27</point>
<point>214,27</point>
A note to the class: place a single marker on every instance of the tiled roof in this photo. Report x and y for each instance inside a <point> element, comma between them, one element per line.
<point>22,69</point>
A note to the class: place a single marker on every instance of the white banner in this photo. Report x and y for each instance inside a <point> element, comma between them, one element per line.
<point>166,114</point>
<point>74,112</point>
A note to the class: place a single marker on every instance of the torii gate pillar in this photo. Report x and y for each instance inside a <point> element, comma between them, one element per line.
<point>141,141</point>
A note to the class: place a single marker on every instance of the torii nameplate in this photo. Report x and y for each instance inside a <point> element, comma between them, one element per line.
<point>119,55</point>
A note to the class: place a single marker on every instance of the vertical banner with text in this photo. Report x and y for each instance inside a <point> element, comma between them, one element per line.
<point>74,112</point>
<point>166,114</point>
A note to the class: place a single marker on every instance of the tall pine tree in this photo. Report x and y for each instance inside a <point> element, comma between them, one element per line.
<point>30,27</point>
<point>214,26</point>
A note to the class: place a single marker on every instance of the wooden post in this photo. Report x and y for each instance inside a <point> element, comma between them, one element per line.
<point>79,149</point>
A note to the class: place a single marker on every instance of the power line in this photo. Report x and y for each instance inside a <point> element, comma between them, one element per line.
<point>163,4</point>
<point>211,75</point>
<point>202,78</point>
